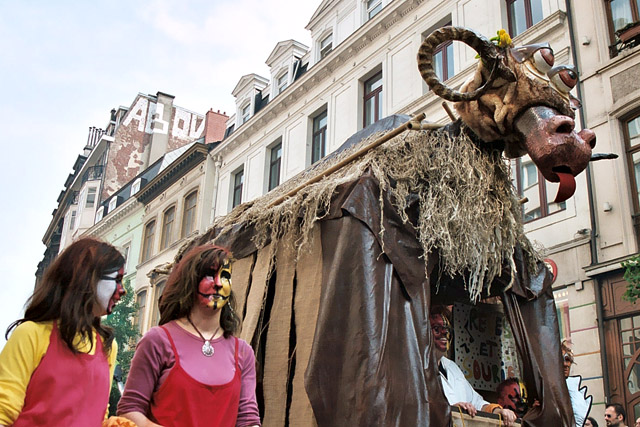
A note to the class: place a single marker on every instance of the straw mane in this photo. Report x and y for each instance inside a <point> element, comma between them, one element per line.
<point>468,210</point>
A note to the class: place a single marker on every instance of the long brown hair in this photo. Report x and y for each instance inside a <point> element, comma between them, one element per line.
<point>67,292</point>
<point>180,293</point>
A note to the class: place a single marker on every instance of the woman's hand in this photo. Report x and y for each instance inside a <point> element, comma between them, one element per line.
<point>467,406</point>
<point>507,416</point>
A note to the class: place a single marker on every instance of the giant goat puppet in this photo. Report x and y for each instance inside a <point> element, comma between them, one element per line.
<point>335,270</point>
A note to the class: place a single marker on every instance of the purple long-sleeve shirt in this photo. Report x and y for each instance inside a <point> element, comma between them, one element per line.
<point>154,359</point>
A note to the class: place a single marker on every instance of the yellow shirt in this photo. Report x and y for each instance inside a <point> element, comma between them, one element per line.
<point>21,355</point>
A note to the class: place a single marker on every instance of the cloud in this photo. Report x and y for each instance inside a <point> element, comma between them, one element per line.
<point>66,64</point>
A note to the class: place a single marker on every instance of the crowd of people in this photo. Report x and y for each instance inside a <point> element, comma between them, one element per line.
<point>57,365</point>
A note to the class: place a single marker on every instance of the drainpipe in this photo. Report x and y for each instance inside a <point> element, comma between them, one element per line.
<point>216,172</point>
<point>592,216</point>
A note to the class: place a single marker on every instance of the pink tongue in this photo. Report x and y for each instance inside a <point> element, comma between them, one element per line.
<point>567,187</point>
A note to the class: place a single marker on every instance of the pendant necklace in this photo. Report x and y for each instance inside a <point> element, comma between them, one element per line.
<point>207,348</point>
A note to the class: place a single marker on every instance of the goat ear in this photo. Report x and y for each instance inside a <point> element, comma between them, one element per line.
<point>490,54</point>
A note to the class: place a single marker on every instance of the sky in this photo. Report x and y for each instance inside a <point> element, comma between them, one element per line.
<point>64,65</point>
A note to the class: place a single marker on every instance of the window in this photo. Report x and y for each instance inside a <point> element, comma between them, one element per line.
<point>373,99</point>
<point>283,82</point>
<point>99,214</point>
<point>373,7</point>
<point>141,300</point>
<point>238,181</point>
<point>147,243</point>
<point>113,203</point>
<point>443,61</point>
<point>135,187</point>
<point>622,13</point>
<point>274,165</point>
<point>125,253</point>
<point>319,139</point>
<point>167,227</point>
<point>540,193</point>
<point>523,14</point>
<point>189,213</point>
<point>246,113</point>
<point>91,197</point>
<point>326,45</point>
<point>72,221</point>
<point>159,288</point>
<point>632,142</point>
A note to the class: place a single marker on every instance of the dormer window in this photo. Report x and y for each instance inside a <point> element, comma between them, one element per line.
<point>326,45</point>
<point>99,214</point>
<point>135,187</point>
<point>246,113</point>
<point>283,82</point>
<point>113,203</point>
<point>373,7</point>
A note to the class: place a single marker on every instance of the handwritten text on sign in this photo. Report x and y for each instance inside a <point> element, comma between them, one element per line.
<point>484,345</point>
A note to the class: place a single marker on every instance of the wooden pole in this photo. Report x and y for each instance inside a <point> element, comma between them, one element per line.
<point>413,124</point>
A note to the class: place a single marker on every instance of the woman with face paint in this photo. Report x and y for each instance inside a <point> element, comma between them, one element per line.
<point>191,370</point>
<point>57,366</point>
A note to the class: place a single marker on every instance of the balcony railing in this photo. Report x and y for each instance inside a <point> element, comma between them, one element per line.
<point>626,38</point>
<point>93,173</point>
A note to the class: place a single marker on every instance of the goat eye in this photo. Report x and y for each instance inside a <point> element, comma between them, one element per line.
<point>575,102</point>
<point>543,60</point>
<point>565,80</point>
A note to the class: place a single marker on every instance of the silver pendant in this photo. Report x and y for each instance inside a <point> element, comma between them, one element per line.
<point>207,349</point>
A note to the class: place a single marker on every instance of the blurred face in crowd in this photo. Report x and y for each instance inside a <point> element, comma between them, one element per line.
<point>637,423</point>
<point>611,418</point>
<point>566,364</point>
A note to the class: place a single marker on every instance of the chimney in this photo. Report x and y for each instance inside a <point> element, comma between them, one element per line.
<point>160,122</point>
<point>215,123</point>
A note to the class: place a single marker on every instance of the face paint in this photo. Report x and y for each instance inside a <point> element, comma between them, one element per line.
<point>215,288</point>
<point>109,290</point>
<point>441,329</point>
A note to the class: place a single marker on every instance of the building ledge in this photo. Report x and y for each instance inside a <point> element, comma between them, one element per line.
<point>606,266</point>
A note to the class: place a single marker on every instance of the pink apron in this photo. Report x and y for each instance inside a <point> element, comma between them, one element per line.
<point>67,389</point>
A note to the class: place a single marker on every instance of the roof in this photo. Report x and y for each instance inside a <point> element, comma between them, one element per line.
<point>246,79</point>
<point>323,6</point>
<point>171,156</point>
<point>283,47</point>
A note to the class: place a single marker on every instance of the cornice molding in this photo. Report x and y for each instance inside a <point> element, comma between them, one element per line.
<point>112,219</point>
<point>183,164</point>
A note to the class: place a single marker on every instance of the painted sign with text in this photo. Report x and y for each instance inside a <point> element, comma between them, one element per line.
<point>484,346</point>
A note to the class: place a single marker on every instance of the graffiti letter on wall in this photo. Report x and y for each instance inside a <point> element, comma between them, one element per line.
<point>138,113</point>
<point>181,123</point>
<point>150,113</point>
<point>158,125</point>
<point>196,130</point>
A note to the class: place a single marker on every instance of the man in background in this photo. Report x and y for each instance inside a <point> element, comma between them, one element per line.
<point>615,415</point>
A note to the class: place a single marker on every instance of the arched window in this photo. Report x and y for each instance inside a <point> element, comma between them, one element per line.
<point>147,242</point>
<point>189,213</point>
<point>168,220</point>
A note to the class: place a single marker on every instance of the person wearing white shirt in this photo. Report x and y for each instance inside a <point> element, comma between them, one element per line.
<point>454,384</point>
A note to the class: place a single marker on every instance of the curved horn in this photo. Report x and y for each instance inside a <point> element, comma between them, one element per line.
<point>487,50</point>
